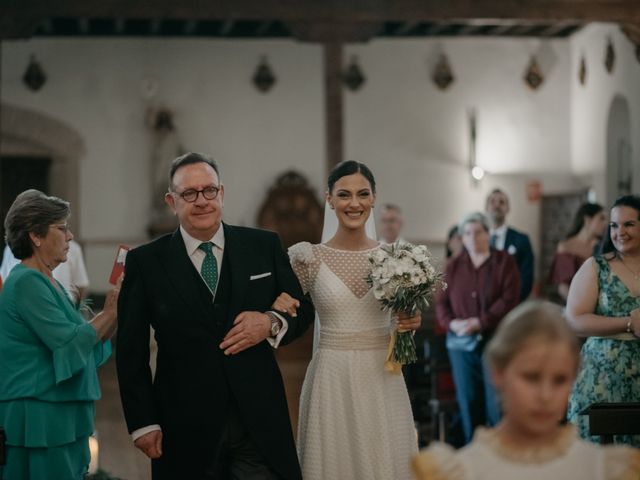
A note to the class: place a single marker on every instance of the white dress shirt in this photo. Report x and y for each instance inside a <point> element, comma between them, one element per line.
<point>501,236</point>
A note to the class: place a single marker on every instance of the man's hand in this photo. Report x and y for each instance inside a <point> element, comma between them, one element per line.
<point>150,444</point>
<point>249,329</point>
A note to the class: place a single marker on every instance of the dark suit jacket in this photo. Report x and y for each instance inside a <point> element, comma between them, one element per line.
<point>195,384</point>
<point>517,244</point>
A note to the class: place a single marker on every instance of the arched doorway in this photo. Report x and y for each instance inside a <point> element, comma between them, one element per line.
<point>27,134</point>
<point>619,159</point>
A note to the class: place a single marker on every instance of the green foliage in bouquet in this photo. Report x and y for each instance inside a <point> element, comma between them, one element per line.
<point>404,279</point>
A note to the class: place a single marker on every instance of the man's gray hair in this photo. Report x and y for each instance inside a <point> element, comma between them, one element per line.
<point>474,217</point>
<point>32,212</point>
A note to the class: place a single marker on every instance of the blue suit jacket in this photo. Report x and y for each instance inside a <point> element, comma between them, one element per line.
<point>517,244</point>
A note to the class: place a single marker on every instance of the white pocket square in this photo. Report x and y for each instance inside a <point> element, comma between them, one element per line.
<point>260,275</point>
<point>512,250</point>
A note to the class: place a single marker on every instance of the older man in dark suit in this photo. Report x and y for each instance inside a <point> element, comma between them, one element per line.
<point>216,407</point>
<point>510,240</point>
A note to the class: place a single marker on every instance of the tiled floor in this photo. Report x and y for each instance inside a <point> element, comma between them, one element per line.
<point>121,459</point>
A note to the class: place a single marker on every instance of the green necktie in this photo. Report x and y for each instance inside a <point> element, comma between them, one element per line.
<point>209,270</point>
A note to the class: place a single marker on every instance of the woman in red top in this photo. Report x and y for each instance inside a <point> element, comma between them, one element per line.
<point>588,227</point>
<point>483,286</point>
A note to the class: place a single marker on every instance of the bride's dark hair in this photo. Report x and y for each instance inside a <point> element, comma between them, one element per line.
<point>349,168</point>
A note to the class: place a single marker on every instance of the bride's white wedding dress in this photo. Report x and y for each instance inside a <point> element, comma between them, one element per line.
<point>355,418</point>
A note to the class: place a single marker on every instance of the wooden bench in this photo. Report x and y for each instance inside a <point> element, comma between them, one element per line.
<point>609,419</point>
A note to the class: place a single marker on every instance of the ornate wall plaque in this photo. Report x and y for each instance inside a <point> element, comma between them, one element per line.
<point>533,77</point>
<point>353,77</point>
<point>610,56</point>
<point>263,78</point>
<point>292,209</point>
<point>443,75</point>
<point>582,71</point>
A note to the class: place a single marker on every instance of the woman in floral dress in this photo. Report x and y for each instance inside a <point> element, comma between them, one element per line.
<point>604,305</point>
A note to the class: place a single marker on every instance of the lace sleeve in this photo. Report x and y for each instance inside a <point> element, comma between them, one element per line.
<point>301,257</point>
<point>438,462</point>
<point>621,463</point>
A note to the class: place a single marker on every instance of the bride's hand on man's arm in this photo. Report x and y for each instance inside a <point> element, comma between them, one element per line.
<point>409,322</point>
<point>285,303</point>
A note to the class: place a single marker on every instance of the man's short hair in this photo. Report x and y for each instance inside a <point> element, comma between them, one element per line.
<point>391,206</point>
<point>497,190</point>
<point>189,159</point>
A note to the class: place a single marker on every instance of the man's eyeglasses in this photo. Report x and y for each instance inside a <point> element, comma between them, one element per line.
<point>191,195</point>
<point>63,227</point>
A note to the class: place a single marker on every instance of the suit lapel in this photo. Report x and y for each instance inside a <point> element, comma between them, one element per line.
<point>508,239</point>
<point>238,255</point>
<point>185,279</point>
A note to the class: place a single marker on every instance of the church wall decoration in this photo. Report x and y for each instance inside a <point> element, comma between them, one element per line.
<point>582,71</point>
<point>610,56</point>
<point>533,76</point>
<point>443,75</point>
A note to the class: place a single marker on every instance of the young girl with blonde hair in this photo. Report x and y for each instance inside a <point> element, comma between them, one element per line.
<point>533,357</point>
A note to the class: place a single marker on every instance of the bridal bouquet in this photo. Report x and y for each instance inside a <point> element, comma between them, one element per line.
<point>403,280</point>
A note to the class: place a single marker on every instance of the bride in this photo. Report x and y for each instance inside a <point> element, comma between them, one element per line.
<point>355,417</point>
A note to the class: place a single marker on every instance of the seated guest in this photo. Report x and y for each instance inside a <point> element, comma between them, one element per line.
<point>48,351</point>
<point>533,357</point>
<point>588,227</point>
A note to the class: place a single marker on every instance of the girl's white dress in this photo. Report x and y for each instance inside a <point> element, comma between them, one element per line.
<point>355,418</point>
<point>485,458</point>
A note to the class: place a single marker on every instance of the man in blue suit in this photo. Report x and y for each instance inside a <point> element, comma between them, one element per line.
<point>506,238</point>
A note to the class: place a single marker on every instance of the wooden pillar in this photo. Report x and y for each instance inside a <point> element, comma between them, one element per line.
<point>333,103</point>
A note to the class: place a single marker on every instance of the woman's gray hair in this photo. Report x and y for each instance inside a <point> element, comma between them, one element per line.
<point>474,217</point>
<point>32,212</point>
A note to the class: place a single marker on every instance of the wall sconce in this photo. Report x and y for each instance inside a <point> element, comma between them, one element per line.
<point>475,170</point>
<point>533,77</point>
<point>443,75</point>
<point>610,56</point>
<point>263,78</point>
<point>34,77</point>
<point>353,77</point>
<point>582,71</point>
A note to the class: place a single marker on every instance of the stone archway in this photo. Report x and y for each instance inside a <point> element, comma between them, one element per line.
<point>30,133</point>
<point>619,159</point>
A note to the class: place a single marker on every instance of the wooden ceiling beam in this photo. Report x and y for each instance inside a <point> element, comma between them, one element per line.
<point>353,10</point>
<point>19,18</point>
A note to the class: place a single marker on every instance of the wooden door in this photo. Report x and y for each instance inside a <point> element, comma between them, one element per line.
<point>17,174</point>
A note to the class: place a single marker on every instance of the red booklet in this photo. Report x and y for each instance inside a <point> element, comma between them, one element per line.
<point>118,264</point>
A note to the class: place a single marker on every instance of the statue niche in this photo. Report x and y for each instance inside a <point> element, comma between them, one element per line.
<point>166,146</point>
<point>292,210</point>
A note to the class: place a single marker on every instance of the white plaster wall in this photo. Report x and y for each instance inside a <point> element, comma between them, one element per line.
<point>590,103</point>
<point>416,137</point>
<point>95,86</point>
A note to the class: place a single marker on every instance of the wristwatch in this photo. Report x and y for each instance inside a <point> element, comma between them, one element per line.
<point>276,324</point>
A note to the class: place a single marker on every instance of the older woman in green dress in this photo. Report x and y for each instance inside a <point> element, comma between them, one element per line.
<point>48,352</point>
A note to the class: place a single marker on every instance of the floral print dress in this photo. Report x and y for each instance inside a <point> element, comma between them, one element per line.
<point>610,366</point>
